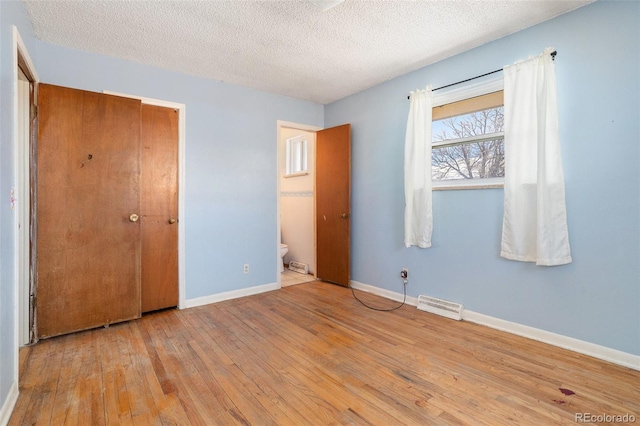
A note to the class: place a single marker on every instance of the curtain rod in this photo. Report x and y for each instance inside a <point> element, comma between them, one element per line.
<point>553,57</point>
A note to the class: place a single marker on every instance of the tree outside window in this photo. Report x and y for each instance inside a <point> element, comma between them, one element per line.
<point>469,146</point>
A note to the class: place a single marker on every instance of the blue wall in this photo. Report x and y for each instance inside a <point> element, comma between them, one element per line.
<point>597,297</point>
<point>230,182</point>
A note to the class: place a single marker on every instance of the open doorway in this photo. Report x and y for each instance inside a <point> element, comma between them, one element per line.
<point>331,195</point>
<point>296,203</point>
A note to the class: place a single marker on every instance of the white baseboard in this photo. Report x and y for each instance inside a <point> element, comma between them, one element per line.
<point>250,291</point>
<point>9,404</point>
<point>597,351</point>
<point>413,301</point>
<point>591,349</point>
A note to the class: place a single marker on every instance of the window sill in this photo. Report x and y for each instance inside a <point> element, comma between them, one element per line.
<point>455,185</point>
<point>296,174</point>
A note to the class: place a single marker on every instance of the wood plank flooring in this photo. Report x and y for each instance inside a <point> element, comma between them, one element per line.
<point>310,354</point>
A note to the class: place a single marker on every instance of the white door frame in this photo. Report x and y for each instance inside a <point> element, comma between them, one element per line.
<point>182,111</point>
<point>21,199</point>
<point>280,156</point>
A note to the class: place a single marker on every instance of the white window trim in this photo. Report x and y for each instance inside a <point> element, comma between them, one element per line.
<point>458,94</point>
<point>460,141</point>
<point>442,97</point>
<point>488,183</point>
<point>291,158</point>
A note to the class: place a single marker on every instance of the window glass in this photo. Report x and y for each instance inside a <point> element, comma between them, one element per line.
<point>470,145</point>
<point>296,156</point>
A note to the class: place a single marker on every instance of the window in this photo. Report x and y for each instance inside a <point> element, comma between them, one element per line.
<point>468,138</point>
<point>296,153</point>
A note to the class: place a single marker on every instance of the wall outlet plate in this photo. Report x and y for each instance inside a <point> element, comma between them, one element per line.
<point>245,268</point>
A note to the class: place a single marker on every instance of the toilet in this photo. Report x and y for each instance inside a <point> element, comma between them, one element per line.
<point>283,250</point>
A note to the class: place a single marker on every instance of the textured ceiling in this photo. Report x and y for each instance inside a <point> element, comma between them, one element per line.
<point>288,47</point>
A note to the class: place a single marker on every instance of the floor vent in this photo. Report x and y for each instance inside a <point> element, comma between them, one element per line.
<point>301,268</point>
<point>441,307</point>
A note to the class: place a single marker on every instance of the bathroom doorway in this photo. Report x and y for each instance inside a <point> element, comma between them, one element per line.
<point>296,203</point>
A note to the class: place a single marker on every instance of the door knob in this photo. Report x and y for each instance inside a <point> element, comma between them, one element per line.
<point>172,221</point>
<point>133,218</point>
<point>344,215</point>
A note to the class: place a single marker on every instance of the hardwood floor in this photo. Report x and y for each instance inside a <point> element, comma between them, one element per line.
<point>311,354</point>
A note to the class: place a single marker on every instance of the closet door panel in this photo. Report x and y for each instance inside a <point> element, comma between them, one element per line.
<point>159,207</point>
<point>88,178</point>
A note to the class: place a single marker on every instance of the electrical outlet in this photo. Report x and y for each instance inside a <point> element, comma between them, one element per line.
<point>245,269</point>
<point>404,274</point>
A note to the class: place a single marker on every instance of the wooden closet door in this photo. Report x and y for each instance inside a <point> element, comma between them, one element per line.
<point>159,207</point>
<point>88,244</point>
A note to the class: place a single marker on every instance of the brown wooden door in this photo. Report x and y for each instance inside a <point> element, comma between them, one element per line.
<point>88,250</point>
<point>159,207</point>
<point>333,204</point>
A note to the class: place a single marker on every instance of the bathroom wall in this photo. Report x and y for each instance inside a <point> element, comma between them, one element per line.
<point>296,203</point>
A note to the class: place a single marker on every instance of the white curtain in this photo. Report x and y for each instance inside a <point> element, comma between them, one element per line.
<point>534,226</point>
<point>418,219</point>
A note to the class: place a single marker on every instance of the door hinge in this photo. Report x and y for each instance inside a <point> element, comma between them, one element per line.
<point>34,110</point>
